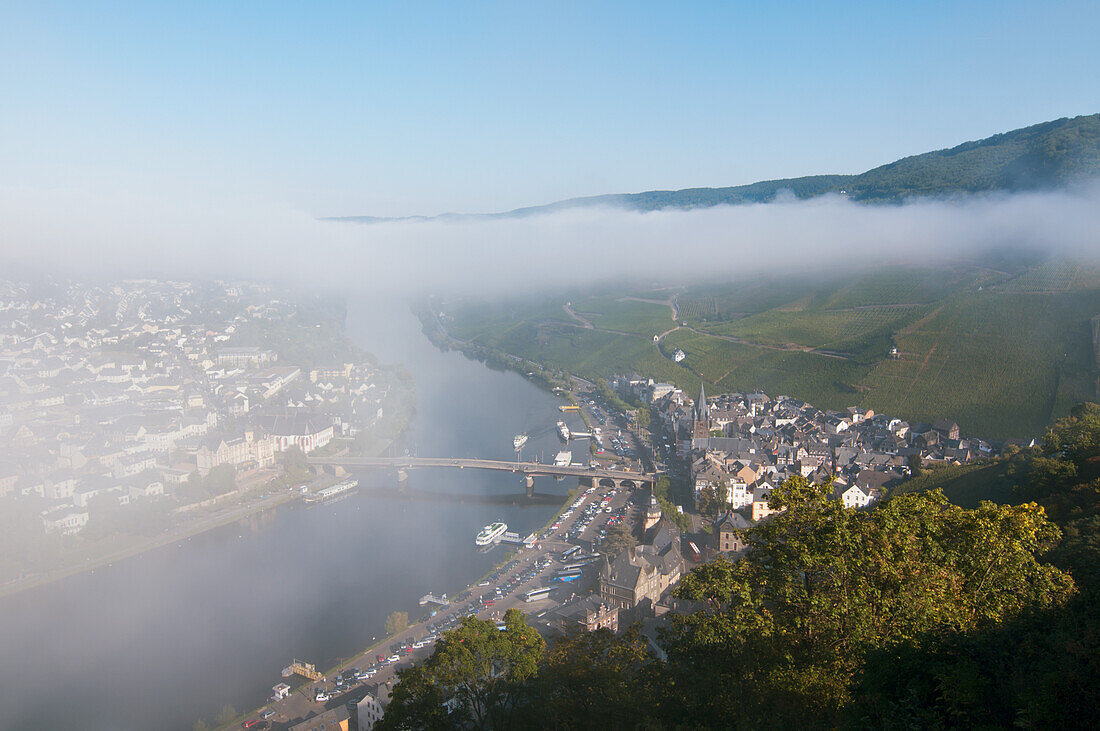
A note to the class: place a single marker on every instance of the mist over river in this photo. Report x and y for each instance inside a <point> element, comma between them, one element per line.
<point>174,634</point>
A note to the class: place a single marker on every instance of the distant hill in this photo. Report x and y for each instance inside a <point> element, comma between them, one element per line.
<point>1044,155</point>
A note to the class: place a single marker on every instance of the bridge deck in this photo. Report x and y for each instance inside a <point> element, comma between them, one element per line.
<point>524,468</point>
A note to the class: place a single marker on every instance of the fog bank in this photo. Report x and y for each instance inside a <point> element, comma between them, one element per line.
<point>81,233</point>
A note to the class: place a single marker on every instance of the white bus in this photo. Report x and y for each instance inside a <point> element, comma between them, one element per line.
<point>535,594</point>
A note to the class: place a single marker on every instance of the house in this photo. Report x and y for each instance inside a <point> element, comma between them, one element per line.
<point>640,576</point>
<point>857,496</point>
<point>367,712</point>
<point>335,719</point>
<point>946,428</point>
<point>588,612</point>
<point>251,357</point>
<point>65,519</point>
<point>729,531</point>
<point>761,507</point>
<point>237,451</point>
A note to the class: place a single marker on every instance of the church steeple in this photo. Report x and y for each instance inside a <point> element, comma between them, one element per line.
<point>701,412</point>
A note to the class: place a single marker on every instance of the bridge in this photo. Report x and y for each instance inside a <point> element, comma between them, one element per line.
<point>530,470</point>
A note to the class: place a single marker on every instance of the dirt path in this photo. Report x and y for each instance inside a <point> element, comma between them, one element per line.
<point>916,378</point>
<point>582,320</point>
<point>671,303</point>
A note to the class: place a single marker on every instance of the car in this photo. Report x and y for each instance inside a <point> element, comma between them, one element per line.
<point>393,658</point>
<point>267,714</point>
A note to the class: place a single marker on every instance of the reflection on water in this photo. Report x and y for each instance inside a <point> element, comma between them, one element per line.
<point>173,635</point>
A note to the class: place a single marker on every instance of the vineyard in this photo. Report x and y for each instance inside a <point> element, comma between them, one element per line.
<point>1052,276</point>
<point>737,367</point>
<point>844,330</point>
<point>1003,365</point>
<point>1000,354</point>
<point>614,313</point>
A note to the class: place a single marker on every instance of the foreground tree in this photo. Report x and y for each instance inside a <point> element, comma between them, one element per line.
<point>591,680</point>
<point>783,631</point>
<point>473,679</point>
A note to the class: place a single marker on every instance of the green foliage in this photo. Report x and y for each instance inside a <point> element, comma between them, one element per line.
<point>397,622</point>
<point>226,715</point>
<point>591,680</point>
<point>820,586</point>
<point>482,668</point>
<point>662,488</point>
<point>221,479</point>
<point>312,336</point>
<point>619,538</point>
<point>1044,154</point>
<point>680,520</point>
<point>610,396</point>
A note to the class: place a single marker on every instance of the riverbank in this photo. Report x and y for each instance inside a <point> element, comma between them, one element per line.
<point>190,529</point>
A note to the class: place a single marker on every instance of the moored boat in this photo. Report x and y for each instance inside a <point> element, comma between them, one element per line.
<point>491,533</point>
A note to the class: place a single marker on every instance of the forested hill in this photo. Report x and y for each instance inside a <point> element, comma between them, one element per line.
<point>1044,155</point>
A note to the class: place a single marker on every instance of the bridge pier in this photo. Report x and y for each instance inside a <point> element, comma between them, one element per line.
<point>529,481</point>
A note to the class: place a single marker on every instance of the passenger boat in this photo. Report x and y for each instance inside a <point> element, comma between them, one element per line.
<point>563,431</point>
<point>331,492</point>
<point>518,441</point>
<point>491,533</point>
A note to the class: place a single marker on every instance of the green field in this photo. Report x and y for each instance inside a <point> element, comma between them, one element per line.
<point>625,315</point>
<point>1000,352</point>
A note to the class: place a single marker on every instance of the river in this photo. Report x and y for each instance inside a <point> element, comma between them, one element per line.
<point>173,635</point>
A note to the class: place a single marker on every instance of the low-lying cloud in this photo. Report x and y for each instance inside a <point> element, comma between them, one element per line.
<point>75,233</point>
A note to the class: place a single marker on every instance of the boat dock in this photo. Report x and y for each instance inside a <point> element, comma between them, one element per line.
<point>433,599</point>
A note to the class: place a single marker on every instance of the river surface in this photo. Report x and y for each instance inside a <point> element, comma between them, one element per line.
<point>175,634</point>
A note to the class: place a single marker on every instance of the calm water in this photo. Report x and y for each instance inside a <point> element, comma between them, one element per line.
<point>171,636</point>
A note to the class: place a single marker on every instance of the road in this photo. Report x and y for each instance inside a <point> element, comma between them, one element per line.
<point>622,502</point>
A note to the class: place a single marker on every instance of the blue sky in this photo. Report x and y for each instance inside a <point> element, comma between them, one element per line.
<point>391,109</point>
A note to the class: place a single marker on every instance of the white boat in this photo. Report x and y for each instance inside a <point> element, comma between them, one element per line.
<point>490,533</point>
<point>331,492</point>
<point>564,459</point>
<point>518,441</point>
<point>563,431</point>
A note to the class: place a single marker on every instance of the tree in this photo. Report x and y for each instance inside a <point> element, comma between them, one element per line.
<point>397,622</point>
<point>296,464</point>
<point>1077,437</point>
<point>915,464</point>
<point>821,585</point>
<point>678,519</point>
<point>474,677</point>
<point>221,479</point>
<point>662,488</point>
<point>226,715</point>
<point>590,679</point>
<point>619,538</point>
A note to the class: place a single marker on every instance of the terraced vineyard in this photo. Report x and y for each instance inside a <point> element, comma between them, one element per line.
<point>1000,352</point>
<point>843,330</point>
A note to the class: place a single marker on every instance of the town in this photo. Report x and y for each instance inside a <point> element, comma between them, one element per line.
<point>615,552</point>
<point>141,411</point>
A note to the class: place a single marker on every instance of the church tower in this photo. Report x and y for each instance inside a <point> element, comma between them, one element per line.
<point>652,513</point>
<point>700,427</point>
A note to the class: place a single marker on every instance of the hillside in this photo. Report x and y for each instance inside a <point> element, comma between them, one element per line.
<point>1043,155</point>
<point>1000,352</point>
